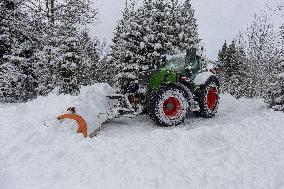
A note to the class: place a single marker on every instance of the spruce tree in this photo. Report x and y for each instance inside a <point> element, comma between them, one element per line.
<point>10,86</point>
<point>89,60</point>
<point>17,44</point>
<point>120,50</point>
<point>281,45</point>
<point>68,54</point>
<point>276,93</point>
<point>223,66</point>
<point>230,69</point>
<point>239,78</point>
<point>262,54</point>
<point>233,69</point>
<point>67,67</point>
<point>188,24</point>
<point>222,55</point>
<point>6,9</point>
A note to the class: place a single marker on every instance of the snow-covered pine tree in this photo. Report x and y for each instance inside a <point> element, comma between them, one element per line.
<point>233,69</point>
<point>174,28</point>
<point>10,88</point>
<point>188,26</point>
<point>89,60</point>
<point>17,44</point>
<point>121,54</point>
<point>154,41</point>
<point>65,21</point>
<point>239,79</point>
<point>47,57</point>
<point>281,45</point>
<point>67,67</point>
<point>104,72</point>
<point>222,55</point>
<point>6,8</point>
<point>45,53</point>
<point>73,15</point>
<point>276,93</point>
<point>230,69</point>
<point>158,38</point>
<point>223,66</point>
<point>262,54</point>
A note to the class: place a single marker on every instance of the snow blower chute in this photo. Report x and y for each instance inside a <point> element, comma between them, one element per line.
<point>82,125</point>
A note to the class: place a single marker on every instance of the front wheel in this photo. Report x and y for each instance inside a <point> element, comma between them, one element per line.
<point>169,106</point>
<point>208,98</point>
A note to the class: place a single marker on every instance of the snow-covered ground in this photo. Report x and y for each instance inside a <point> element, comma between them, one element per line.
<point>243,147</point>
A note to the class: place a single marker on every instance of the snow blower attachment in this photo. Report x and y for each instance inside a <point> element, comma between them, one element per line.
<point>119,105</point>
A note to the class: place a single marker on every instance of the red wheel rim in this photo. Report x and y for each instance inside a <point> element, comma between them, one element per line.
<point>212,98</point>
<point>171,107</point>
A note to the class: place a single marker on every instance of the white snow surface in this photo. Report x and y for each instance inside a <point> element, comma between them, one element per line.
<point>242,147</point>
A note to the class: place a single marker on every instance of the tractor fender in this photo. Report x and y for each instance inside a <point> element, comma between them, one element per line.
<point>203,77</point>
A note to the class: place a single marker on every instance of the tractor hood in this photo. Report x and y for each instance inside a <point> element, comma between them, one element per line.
<point>155,78</point>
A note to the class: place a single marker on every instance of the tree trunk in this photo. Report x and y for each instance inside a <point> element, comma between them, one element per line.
<point>52,19</point>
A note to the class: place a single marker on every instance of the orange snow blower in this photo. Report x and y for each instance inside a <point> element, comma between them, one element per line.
<point>82,125</point>
<point>119,106</point>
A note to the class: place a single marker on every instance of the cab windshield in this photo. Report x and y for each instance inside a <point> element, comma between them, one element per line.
<point>181,63</point>
<point>176,62</point>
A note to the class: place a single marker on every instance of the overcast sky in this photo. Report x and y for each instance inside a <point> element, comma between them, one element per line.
<point>218,20</point>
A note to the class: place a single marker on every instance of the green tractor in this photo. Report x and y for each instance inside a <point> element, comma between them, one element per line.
<point>169,95</point>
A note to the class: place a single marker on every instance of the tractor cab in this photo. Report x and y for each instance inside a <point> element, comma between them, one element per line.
<point>185,64</point>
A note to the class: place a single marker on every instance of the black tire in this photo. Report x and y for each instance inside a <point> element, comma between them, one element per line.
<point>169,106</point>
<point>208,107</point>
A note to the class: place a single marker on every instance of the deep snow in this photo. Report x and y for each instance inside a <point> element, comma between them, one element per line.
<point>243,147</point>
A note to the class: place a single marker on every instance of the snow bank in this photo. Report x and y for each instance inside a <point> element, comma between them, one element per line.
<point>240,148</point>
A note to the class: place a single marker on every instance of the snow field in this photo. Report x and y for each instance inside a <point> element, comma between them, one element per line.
<point>243,147</point>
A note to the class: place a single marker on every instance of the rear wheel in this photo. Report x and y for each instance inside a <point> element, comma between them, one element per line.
<point>208,99</point>
<point>169,106</point>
